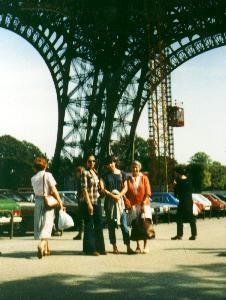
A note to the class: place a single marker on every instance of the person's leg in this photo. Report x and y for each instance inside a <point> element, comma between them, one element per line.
<point>46,250</point>
<point>193,229</point>
<point>138,250</point>
<point>179,234</point>
<point>111,233</point>
<point>125,232</point>
<point>146,246</point>
<point>88,238</point>
<point>179,228</point>
<point>56,231</point>
<point>80,224</point>
<point>98,229</point>
<point>41,248</point>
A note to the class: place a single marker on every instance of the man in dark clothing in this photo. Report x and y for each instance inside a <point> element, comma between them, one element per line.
<point>183,191</point>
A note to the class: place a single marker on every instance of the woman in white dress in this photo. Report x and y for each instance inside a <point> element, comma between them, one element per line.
<point>43,183</point>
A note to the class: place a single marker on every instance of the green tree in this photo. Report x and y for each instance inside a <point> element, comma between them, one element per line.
<point>16,162</point>
<point>66,176</point>
<point>218,176</point>
<point>199,172</point>
<point>141,151</point>
<point>200,158</point>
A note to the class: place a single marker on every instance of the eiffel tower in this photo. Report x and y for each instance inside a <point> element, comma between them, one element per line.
<point>109,58</point>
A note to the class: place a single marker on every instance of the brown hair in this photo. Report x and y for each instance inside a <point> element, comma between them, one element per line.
<point>40,163</point>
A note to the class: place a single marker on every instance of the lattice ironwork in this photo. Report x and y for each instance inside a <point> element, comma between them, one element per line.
<point>99,56</point>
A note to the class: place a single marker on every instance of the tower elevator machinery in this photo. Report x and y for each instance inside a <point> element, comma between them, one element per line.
<point>161,114</point>
<point>162,117</point>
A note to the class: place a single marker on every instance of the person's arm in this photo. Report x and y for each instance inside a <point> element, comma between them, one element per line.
<point>85,193</point>
<point>55,194</point>
<point>88,201</point>
<point>117,197</point>
<point>147,187</point>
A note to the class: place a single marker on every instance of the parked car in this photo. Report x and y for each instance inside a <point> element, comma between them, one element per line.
<point>198,198</point>
<point>222,197</point>
<point>164,202</point>
<point>8,205</point>
<point>26,203</point>
<point>217,203</point>
<point>27,208</point>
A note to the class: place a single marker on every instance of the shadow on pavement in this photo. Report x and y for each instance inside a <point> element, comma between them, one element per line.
<point>218,251</point>
<point>32,254</point>
<point>186,283</point>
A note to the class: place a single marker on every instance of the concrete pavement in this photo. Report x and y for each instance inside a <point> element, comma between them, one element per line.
<point>173,269</point>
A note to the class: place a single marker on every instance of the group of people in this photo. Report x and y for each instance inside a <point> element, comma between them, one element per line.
<point>119,192</point>
<point>125,197</point>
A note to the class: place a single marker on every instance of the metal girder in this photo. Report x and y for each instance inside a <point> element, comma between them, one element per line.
<point>99,55</point>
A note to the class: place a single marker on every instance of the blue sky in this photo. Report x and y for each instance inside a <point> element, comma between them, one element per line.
<point>29,109</point>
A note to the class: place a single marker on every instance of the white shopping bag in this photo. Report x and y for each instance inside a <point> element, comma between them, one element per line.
<point>65,220</point>
<point>196,210</point>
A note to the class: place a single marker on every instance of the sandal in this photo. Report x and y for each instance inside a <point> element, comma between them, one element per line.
<point>115,251</point>
<point>46,253</point>
<point>138,251</point>
<point>40,252</point>
<point>146,250</point>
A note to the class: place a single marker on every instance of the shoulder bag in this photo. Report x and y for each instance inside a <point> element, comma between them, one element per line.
<point>49,201</point>
<point>142,229</point>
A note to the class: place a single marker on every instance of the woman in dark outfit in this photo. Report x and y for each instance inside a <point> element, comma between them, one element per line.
<point>115,187</point>
<point>183,191</point>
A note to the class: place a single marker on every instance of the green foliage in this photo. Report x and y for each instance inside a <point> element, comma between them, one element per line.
<point>16,162</point>
<point>141,151</point>
<point>200,158</point>
<point>199,170</point>
<point>218,176</point>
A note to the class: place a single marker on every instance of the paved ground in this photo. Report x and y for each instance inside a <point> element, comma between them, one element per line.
<point>173,269</point>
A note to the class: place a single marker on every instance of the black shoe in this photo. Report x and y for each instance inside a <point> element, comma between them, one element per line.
<point>192,238</point>
<point>103,253</point>
<point>130,251</point>
<point>176,237</point>
<point>95,253</point>
<point>77,237</point>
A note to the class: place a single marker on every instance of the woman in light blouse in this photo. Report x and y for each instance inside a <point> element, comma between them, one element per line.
<point>43,183</point>
<point>138,195</point>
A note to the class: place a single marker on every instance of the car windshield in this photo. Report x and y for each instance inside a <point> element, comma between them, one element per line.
<point>70,197</point>
<point>66,199</point>
<point>3,196</point>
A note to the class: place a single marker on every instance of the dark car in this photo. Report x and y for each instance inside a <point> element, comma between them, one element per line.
<point>25,201</point>
<point>9,207</point>
<point>222,197</point>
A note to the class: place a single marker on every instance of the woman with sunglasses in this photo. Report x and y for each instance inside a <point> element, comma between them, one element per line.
<point>93,240</point>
